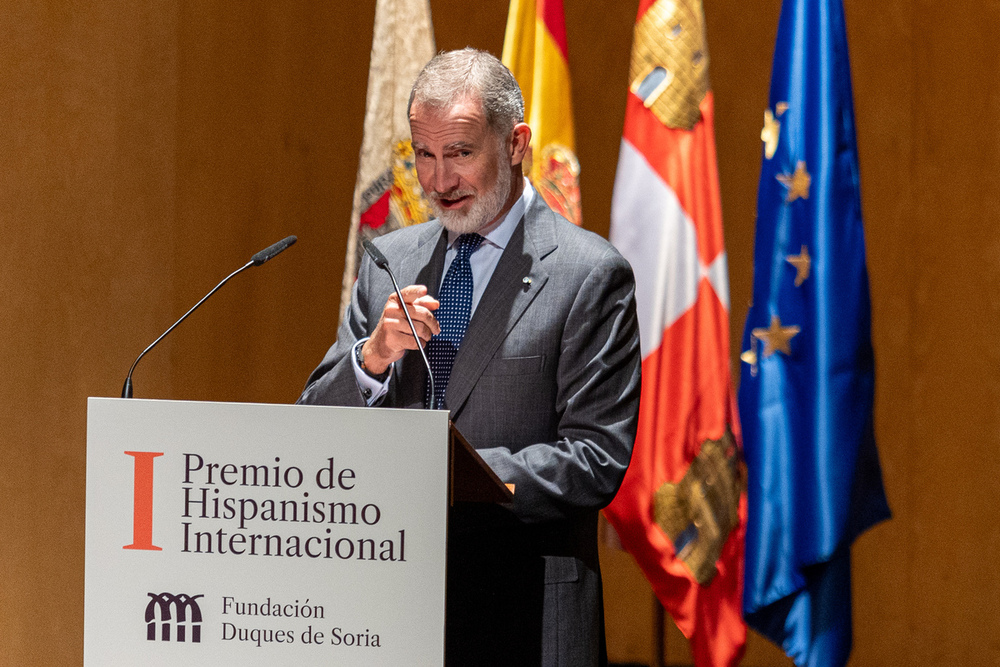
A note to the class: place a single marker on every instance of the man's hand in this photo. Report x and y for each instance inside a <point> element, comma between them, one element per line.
<point>392,336</point>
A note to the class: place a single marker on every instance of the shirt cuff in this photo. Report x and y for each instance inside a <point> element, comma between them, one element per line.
<point>371,389</point>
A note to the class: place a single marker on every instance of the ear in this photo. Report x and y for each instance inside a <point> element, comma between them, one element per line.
<point>520,140</point>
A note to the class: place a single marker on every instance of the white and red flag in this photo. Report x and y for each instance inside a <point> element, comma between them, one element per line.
<point>387,195</point>
<point>681,511</point>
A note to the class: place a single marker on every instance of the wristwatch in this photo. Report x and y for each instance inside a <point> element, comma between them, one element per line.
<point>360,358</point>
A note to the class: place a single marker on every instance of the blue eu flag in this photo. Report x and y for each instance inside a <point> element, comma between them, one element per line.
<point>807,384</point>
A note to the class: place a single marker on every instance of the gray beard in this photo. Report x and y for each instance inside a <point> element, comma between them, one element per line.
<point>484,209</point>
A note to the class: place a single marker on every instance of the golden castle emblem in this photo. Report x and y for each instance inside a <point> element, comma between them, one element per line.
<point>670,75</point>
<point>700,511</point>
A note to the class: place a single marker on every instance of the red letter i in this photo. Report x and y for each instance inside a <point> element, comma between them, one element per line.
<point>142,503</point>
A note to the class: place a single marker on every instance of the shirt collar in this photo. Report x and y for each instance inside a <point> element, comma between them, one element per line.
<point>498,234</point>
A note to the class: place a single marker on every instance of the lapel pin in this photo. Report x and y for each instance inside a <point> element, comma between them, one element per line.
<point>526,280</point>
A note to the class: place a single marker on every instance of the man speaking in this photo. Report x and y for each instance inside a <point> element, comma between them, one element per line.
<point>530,328</point>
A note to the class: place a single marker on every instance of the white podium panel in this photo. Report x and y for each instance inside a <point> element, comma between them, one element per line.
<point>226,533</point>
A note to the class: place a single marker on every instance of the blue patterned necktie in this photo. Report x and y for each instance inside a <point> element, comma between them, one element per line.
<point>453,316</point>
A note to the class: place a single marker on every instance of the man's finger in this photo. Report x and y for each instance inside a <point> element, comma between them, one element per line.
<point>412,292</point>
<point>421,313</point>
<point>424,328</point>
<point>428,302</point>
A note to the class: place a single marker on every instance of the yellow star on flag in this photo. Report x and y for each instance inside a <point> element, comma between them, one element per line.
<point>776,337</point>
<point>769,135</point>
<point>802,263</point>
<point>797,183</point>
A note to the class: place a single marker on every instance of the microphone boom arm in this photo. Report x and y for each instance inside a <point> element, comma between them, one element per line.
<point>127,388</point>
<point>264,255</point>
<point>381,262</point>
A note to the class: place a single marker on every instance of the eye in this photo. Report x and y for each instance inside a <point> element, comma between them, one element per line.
<point>460,151</point>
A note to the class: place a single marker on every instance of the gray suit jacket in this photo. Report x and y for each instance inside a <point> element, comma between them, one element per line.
<point>546,387</point>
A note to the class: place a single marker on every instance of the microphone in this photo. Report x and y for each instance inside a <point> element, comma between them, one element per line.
<point>377,257</point>
<point>271,251</point>
<point>264,255</point>
<point>382,263</point>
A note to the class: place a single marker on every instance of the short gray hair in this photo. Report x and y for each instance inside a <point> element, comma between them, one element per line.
<point>469,73</point>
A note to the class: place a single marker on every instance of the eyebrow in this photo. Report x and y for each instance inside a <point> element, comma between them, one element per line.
<point>452,146</point>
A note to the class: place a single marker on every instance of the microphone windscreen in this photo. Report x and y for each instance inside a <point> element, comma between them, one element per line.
<point>376,254</point>
<point>271,251</point>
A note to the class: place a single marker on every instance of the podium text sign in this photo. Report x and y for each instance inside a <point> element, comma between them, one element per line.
<point>222,533</point>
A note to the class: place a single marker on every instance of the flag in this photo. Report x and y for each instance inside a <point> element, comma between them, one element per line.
<point>681,510</point>
<point>534,50</point>
<point>387,194</point>
<point>807,386</point>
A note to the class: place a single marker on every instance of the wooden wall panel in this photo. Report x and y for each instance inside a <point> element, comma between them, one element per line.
<point>85,206</point>
<point>883,82</point>
<point>151,148</point>
<point>267,117</point>
<point>953,344</point>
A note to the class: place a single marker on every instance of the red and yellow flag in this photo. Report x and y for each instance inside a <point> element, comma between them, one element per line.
<point>681,511</point>
<point>534,49</point>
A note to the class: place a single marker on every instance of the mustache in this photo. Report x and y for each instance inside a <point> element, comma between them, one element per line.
<point>451,195</point>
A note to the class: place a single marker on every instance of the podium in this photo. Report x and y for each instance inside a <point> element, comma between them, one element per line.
<point>226,533</point>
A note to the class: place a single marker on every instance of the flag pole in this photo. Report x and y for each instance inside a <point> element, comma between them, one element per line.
<point>659,633</point>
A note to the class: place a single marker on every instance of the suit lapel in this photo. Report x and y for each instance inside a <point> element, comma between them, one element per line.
<point>517,280</point>
<point>421,267</point>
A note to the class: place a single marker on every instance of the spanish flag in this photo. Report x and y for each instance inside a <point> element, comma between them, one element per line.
<point>681,510</point>
<point>534,50</point>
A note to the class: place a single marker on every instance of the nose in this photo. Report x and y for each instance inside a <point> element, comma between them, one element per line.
<point>445,178</point>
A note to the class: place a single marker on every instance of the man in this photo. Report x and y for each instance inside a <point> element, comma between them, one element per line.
<point>544,381</point>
